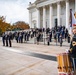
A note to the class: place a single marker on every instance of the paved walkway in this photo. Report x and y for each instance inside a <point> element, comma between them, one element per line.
<point>13,62</point>
<point>53,49</point>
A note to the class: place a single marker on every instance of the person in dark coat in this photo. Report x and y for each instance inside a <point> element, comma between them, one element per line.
<point>6,39</point>
<point>38,37</point>
<point>48,39</point>
<point>68,38</point>
<point>9,39</point>
<point>28,35</point>
<point>50,36</point>
<point>60,39</point>
<point>25,36</point>
<point>72,51</point>
<point>55,37</point>
<point>22,37</point>
<point>16,37</point>
<point>3,39</point>
<point>66,34</point>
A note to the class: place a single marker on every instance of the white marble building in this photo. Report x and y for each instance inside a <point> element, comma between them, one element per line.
<point>46,13</point>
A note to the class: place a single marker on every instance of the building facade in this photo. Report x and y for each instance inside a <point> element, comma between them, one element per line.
<point>49,13</point>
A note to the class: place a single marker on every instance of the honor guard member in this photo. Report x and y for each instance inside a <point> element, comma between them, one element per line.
<point>72,50</point>
<point>73,42</point>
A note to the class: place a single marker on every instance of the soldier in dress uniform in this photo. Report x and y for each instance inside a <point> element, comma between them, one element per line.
<point>72,50</point>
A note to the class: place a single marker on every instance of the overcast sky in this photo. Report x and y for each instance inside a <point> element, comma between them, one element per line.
<point>15,10</point>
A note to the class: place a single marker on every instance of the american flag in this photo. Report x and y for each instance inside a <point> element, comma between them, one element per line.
<point>72,21</point>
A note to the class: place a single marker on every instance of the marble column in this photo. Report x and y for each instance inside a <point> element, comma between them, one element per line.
<point>30,19</point>
<point>38,18</point>
<point>58,13</point>
<point>44,17</point>
<point>51,17</point>
<point>67,13</point>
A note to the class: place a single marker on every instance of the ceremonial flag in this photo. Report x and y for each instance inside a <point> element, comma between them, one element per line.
<point>72,21</point>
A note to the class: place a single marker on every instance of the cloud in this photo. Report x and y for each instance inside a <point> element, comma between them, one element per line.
<point>15,10</point>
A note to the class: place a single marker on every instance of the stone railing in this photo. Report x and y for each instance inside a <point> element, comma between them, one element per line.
<point>47,2</point>
<point>40,1</point>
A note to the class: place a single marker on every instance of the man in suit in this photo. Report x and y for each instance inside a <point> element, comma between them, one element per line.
<point>9,39</point>
<point>6,39</point>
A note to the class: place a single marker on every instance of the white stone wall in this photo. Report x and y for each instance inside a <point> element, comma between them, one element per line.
<point>34,15</point>
<point>54,13</point>
<point>63,14</point>
<point>41,18</point>
<point>34,18</point>
<point>47,16</point>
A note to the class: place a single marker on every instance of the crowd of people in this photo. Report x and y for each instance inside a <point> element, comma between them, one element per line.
<point>6,38</point>
<point>40,35</point>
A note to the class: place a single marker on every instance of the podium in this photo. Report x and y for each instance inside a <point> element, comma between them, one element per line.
<point>64,64</point>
